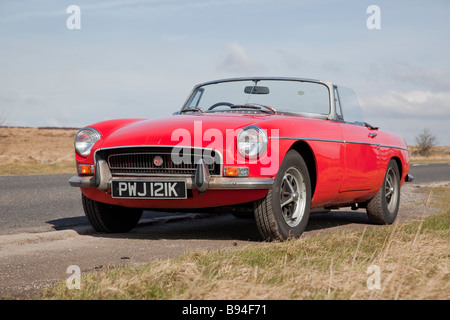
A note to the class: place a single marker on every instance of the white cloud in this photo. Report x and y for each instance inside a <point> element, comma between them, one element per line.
<point>429,78</point>
<point>291,60</point>
<point>410,104</point>
<point>407,113</point>
<point>409,75</point>
<point>237,60</point>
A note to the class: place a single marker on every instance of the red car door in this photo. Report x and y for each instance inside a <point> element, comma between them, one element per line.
<point>361,153</point>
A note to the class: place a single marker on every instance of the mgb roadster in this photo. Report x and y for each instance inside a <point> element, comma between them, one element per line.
<point>276,149</point>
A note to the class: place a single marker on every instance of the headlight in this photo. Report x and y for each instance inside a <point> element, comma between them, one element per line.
<point>85,140</point>
<point>251,142</point>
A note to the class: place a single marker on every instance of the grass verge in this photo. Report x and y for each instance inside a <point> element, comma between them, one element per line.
<point>33,167</point>
<point>402,261</point>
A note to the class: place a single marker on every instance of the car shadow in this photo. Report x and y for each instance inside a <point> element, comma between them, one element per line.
<point>204,226</point>
<point>319,221</point>
<point>68,223</point>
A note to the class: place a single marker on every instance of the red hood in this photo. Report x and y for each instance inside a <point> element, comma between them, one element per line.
<point>167,131</point>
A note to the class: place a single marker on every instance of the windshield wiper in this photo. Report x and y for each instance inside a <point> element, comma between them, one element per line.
<point>253,106</point>
<point>192,109</point>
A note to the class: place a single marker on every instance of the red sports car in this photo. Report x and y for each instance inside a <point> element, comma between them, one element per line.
<point>275,148</point>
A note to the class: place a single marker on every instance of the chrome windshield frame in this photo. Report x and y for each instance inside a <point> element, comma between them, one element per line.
<point>329,85</point>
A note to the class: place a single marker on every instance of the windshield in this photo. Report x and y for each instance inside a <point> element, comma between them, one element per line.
<point>280,96</point>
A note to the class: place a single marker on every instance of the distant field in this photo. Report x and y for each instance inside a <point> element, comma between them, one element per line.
<point>36,151</point>
<point>50,151</point>
<point>439,154</point>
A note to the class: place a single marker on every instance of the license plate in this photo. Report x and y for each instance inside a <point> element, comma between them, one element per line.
<point>149,189</point>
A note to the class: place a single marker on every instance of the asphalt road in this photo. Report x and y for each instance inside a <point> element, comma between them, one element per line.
<point>45,203</point>
<point>433,172</point>
<point>38,203</point>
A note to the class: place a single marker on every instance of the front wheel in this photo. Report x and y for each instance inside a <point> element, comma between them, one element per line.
<point>383,208</point>
<point>110,219</point>
<point>284,212</point>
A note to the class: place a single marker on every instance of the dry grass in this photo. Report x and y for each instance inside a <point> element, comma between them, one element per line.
<point>439,154</point>
<point>412,259</point>
<point>36,151</point>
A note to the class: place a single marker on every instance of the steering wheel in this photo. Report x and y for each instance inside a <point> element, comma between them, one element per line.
<point>218,104</point>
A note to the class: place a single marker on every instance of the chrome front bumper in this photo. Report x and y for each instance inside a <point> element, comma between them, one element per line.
<point>202,181</point>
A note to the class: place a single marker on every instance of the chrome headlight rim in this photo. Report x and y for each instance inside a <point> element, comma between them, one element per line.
<point>259,145</point>
<point>85,139</point>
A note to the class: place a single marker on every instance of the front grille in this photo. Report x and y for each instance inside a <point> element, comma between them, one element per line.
<point>159,160</point>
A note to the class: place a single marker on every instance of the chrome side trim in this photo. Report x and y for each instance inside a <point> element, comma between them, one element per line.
<point>339,141</point>
<point>309,139</point>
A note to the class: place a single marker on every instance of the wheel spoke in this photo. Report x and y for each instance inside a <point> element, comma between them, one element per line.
<point>289,181</point>
<point>389,186</point>
<point>389,192</point>
<point>389,181</point>
<point>291,199</point>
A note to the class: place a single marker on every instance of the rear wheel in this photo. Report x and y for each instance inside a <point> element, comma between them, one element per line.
<point>284,212</point>
<point>383,208</point>
<point>108,218</point>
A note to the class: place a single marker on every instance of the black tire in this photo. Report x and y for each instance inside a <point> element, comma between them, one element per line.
<point>383,208</point>
<point>276,218</point>
<point>108,218</point>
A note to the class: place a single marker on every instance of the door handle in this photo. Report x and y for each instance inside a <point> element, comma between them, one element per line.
<point>373,134</point>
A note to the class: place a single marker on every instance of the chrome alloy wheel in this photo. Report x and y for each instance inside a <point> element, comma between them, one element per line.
<point>293,197</point>
<point>391,190</point>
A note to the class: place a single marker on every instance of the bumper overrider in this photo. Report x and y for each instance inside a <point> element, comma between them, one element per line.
<point>409,178</point>
<point>201,181</point>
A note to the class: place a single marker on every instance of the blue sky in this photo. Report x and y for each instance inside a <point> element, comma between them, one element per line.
<point>141,58</point>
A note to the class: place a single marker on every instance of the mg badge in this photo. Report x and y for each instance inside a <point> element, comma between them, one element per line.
<point>157,161</point>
